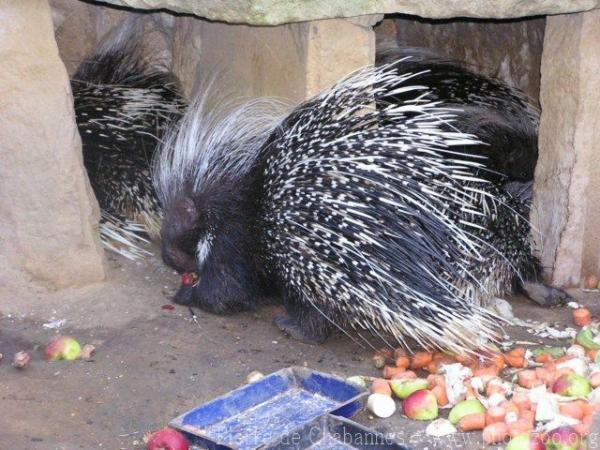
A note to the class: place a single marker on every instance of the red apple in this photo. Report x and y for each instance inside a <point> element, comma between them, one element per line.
<point>188,278</point>
<point>421,405</point>
<point>62,347</point>
<point>572,385</point>
<point>563,438</point>
<point>167,439</point>
<point>526,441</point>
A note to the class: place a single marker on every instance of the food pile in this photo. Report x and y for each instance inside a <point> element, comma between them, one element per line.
<point>532,398</point>
<point>61,347</point>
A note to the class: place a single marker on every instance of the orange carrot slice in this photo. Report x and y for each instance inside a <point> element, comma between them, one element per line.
<point>582,317</point>
<point>472,422</point>
<point>495,432</point>
<point>381,386</point>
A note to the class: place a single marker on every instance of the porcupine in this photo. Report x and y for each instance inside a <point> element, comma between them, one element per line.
<point>124,102</point>
<point>363,218</point>
<point>505,123</point>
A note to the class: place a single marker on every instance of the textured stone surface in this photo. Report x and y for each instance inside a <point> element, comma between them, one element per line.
<point>567,190</point>
<point>80,26</point>
<point>292,62</point>
<point>516,59</point>
<point>275,12</point>
<point>48,215</point>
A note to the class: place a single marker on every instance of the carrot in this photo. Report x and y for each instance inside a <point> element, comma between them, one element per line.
<point>490,370</point>
<point>582,317</point>
<point>389,371</point>
<point>591,409</point>
<point>434,380</point>
<point>438,360</point>
<point>472,422</point>
<point>495,432</point>
<point>516,357</point>
<point>515,361</point>
<point>404,375</point>
<point>528,415</point>
<point>519,427</point>
<point>381,386</point>
<point>440,394</point>
<point>495,386</point>
<point>401,358</point>
<point>545,374</point>
<point>583,428</point>
<point>402,362</point>
<point>575,409</point>
<point>528,379</point>
<point>522,402</point>
<point>498,360</point>
<point>420,360</point>
<point>591,354</point>
<point>512,411</point>
<point>494,414</point>
<point>543,358</point>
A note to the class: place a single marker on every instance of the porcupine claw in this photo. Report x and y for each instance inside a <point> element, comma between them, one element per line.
<point>295,330</point>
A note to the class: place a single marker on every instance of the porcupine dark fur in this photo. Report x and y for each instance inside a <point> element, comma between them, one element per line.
<point>363,218</point>
<point>502,117</point>
<point>123,105</point>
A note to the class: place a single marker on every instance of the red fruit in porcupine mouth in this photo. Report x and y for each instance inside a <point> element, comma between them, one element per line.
<point>188,278</point>
<point>167,439</point>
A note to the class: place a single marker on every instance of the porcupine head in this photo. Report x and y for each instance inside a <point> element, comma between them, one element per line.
<point>202,176</point>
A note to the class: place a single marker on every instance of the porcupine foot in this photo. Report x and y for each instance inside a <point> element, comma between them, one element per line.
<point>545,295</point>
<point>299,332</point>
<point>303,323</point>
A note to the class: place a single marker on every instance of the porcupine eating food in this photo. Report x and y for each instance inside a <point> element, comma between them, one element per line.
<point>124,103</point>
<point>366,207</point>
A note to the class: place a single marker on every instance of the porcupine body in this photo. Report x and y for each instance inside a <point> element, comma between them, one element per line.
<point>365,218</point>
<point>123,105</point>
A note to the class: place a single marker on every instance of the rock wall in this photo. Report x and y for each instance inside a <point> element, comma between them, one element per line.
<point>292,61</point>
<point>277,12</point>
<point>48,213</point>
<point>567,189</point>
<point>515,58</point>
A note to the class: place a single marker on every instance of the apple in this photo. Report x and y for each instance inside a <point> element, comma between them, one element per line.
<point>167,439</point>
<point>563,438</point>
<point>421,405</point>
<point>189,278</point>
<point>62,347</point>
<point>585,338</point>
<point>525,441</point>
<point>403,388</point>
<point>471,406</point>
<point>572,385</point>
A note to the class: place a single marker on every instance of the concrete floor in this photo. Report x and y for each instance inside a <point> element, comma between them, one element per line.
<point>151,364</point>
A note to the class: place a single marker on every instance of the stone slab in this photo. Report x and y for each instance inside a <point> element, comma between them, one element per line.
<point>275,12</point>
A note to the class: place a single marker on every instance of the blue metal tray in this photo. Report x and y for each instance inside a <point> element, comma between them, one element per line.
<point>262,412</point>
<point>333,433</point>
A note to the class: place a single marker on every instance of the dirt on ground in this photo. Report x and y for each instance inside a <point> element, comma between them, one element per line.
<point>153,363</point>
